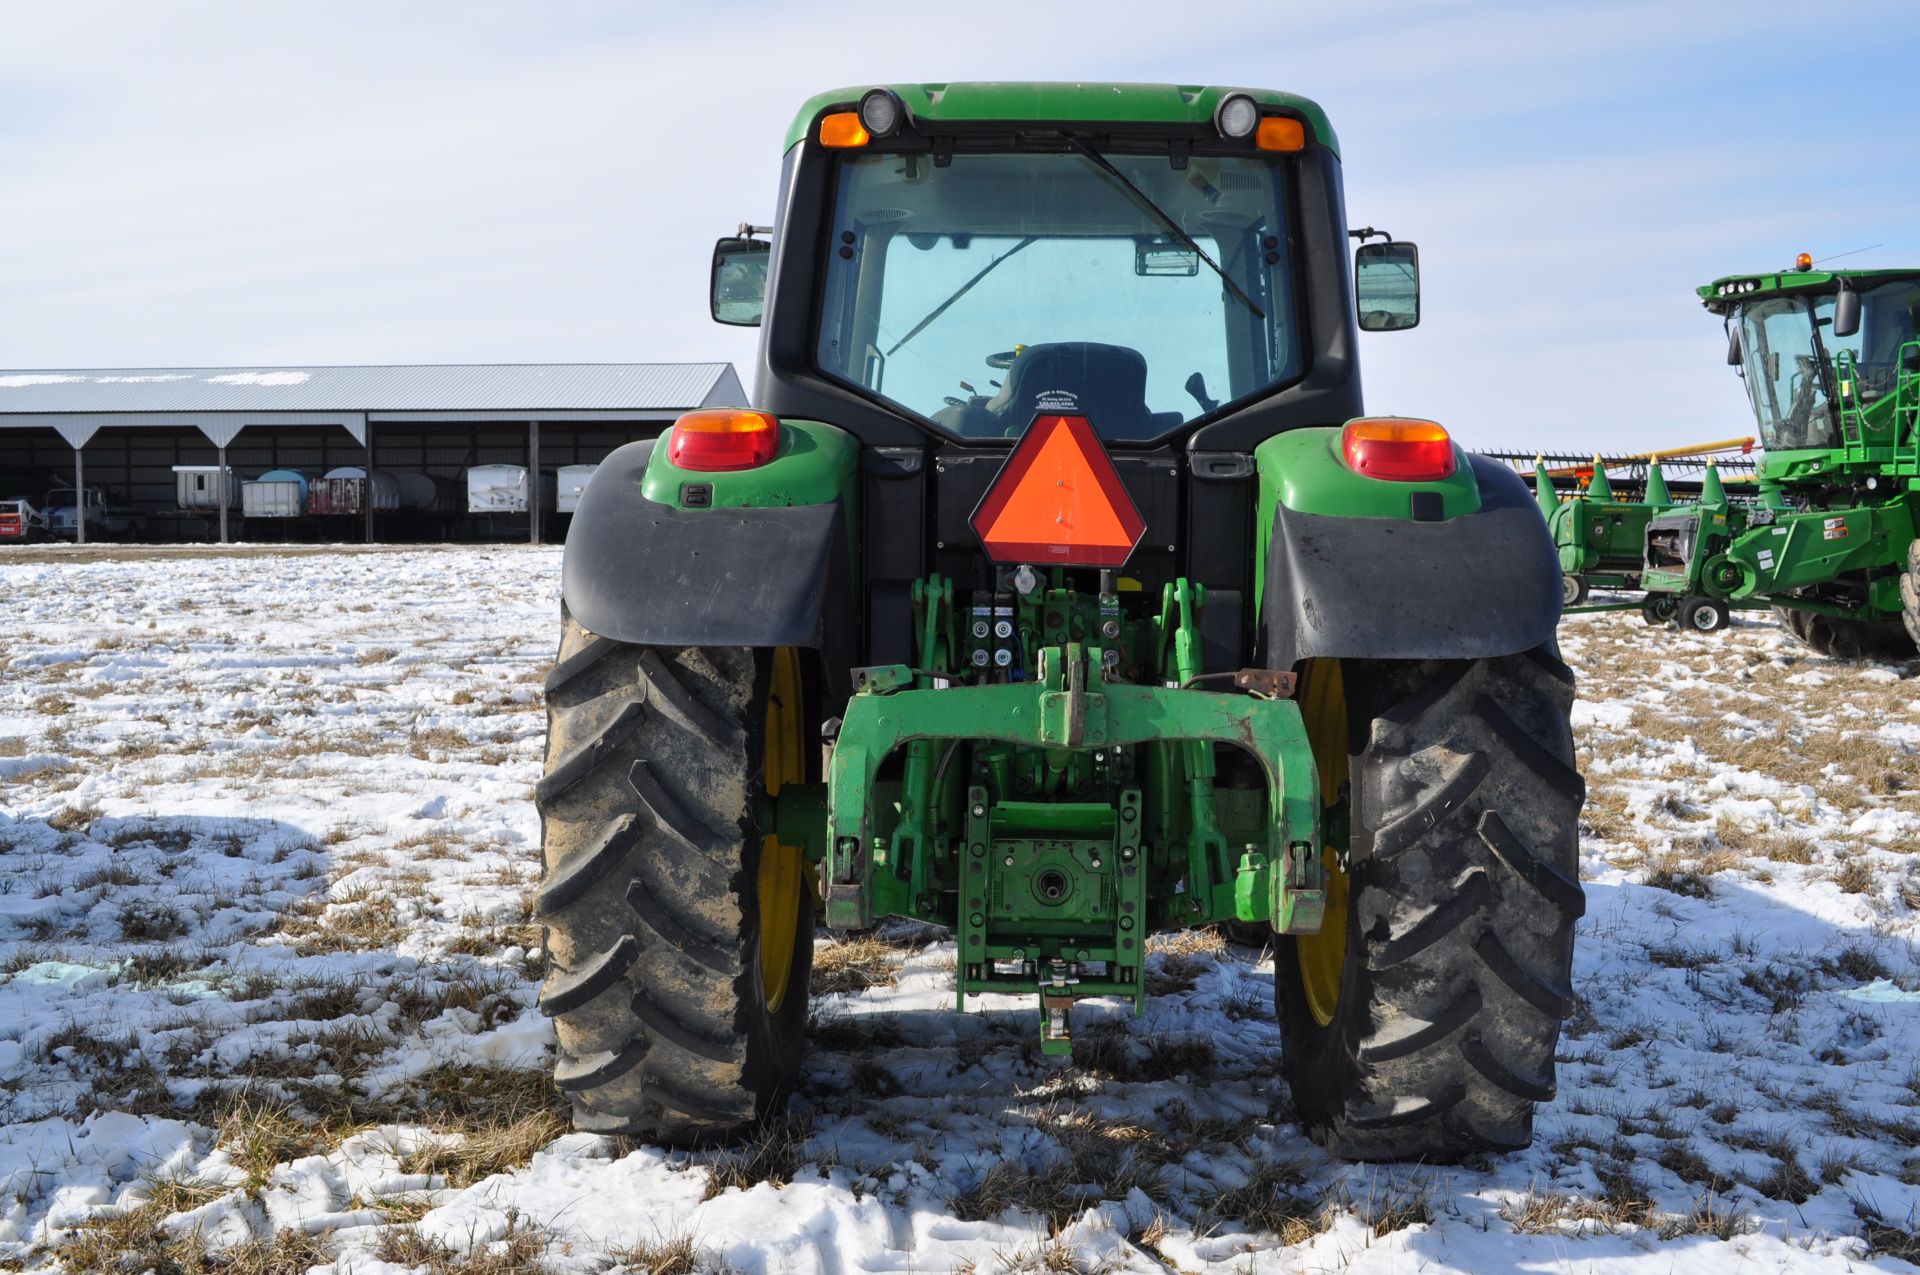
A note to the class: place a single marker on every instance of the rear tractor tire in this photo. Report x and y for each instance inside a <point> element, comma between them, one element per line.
<point>680,935</point>
<point>1421,1023</point>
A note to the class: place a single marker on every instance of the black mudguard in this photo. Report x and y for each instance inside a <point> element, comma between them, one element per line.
<point>643,572</point>
<point>1477,585</point>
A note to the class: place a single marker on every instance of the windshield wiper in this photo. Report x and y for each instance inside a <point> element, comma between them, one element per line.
<point>1146,203</point>
<point>959,292</point>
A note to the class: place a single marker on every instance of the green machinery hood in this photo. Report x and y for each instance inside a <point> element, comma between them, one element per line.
<point>1060,102</point>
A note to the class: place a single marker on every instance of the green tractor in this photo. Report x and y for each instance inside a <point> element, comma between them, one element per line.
<point>1832,370</point>
<point>1056,590</point>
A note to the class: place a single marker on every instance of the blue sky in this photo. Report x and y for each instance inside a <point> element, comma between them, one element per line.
<point>218,183</point>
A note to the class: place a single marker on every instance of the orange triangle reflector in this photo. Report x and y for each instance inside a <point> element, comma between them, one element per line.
<point>1058,501</point>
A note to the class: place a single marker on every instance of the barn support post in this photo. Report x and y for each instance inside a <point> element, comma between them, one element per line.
<point>366,496</point>
<point>533,482</point>
<point>221,431</point>
<point>77,432</point>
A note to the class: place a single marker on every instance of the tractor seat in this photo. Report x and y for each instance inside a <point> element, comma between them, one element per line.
<point>1105,383</point>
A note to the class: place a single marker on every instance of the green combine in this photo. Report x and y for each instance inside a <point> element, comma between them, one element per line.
<point>1832,370</point>
<point>1057,589</point>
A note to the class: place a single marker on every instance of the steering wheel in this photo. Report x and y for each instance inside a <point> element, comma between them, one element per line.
<point>1003,360</point>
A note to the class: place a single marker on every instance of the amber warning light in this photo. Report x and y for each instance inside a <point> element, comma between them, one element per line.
<point>1058,501</point>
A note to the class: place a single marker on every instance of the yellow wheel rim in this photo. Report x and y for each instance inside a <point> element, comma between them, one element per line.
<point>782,867</point>
<point>1322,957</point>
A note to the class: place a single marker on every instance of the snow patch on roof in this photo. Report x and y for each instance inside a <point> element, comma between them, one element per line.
<point>259,378</point>
<point>38,378</point>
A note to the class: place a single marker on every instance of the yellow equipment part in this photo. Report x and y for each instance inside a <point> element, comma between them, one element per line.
<point>1322,956</point>
<point>782,867</point>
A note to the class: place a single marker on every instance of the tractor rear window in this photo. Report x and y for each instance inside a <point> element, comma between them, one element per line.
<point>980,294</point>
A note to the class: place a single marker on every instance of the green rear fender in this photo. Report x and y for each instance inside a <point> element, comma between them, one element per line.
<point>1461,567</point>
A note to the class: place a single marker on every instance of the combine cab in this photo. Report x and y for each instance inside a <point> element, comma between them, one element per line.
<point>1057,589</point>
<point>1832,369</point>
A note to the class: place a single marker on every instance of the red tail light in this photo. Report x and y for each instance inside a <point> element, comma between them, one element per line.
<point>1396,447</point>
<point>725,438</point>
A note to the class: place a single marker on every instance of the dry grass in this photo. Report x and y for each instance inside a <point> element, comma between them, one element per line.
<point>854,965</point>
<point>519,1252</point>
<point>1855,875</point>
<point>1208,941</point>
<point>1708,1216</point>
<point>136,1242</point>
<point>1679,874</point>
<point>74,818</point>
<point>1561,1213</point>
<point>774,1153</point>
<point>1268,1201</point>
<point>671,1255</point>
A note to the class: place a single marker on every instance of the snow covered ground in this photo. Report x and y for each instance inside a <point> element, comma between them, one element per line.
<point>266,983</point>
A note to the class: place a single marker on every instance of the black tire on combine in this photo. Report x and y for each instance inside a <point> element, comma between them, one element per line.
<point>1910,594</point>
<point>673,1025</point>
<point>1703,615</point>
<point>1458,916</point>
<point>1844,639</point>
<point>1573,590</point>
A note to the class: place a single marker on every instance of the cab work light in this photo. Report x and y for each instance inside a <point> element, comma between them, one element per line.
<point>881,111</point>
<point>1397,448</point>
<point>842,130</point>
<point>724,438</point>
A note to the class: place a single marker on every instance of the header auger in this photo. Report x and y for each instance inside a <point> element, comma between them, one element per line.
<point>1058,590</point>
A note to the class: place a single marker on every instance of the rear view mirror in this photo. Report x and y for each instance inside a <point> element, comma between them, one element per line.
<point>1164,256</point>
<point>1733,347</point>
<point>1846,312</point>
<point>1386,286</point>
<point>739,287</point>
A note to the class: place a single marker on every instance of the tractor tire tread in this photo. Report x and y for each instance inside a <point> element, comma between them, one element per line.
<point>568,992</point>
<point>646,810</point>
<point>1462,905</point>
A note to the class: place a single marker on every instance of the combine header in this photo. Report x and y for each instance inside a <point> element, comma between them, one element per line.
<point>1599,527</point>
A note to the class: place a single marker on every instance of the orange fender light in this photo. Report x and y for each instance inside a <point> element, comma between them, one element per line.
<point>1398,448</point>
<point>721,439</point>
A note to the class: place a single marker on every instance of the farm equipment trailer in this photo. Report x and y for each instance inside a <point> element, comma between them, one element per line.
<point>1057,590</point>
